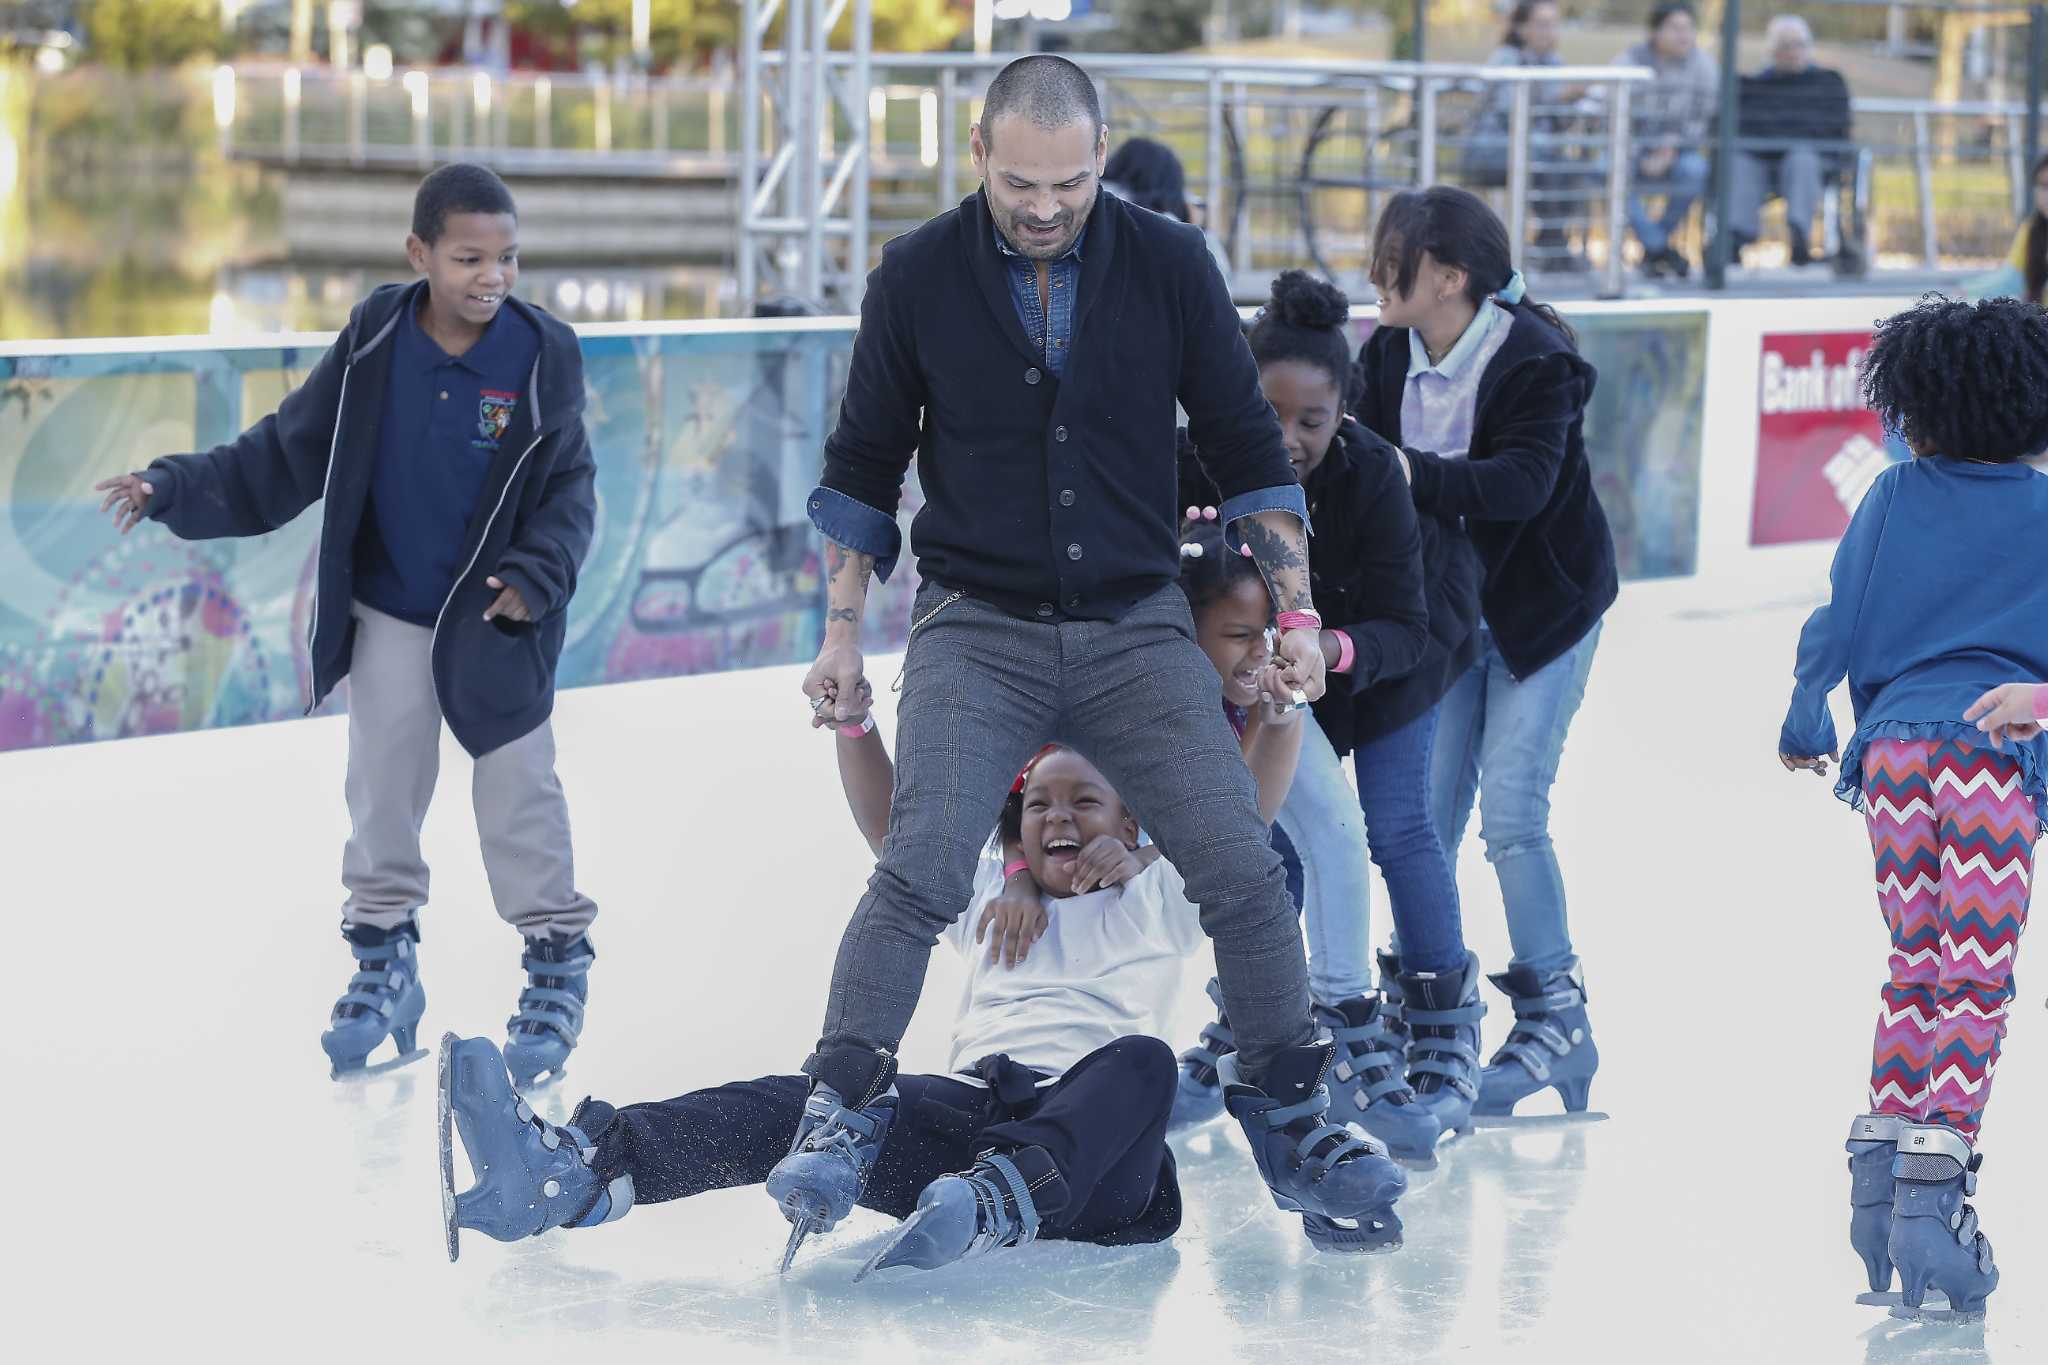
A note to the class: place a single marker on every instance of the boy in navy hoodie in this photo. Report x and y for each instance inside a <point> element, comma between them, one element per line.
<point>443,435</point>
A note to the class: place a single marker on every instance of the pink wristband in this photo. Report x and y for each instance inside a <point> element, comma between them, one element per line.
<point>852,731</point>
<point>1011,869</point>
<point>1300,620</point>
<point>1347,653</point>
<point>2041,701</point>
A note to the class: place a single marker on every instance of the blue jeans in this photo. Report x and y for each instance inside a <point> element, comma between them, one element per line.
<point>1320,819</point>
<point>1331,829</point>
<point>1681,187</point>
<point>1501,740</point>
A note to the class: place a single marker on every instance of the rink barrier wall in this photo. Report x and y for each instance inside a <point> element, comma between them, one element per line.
<point>708,438</point>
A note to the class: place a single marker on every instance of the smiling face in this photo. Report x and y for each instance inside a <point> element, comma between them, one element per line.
<point>1306,400</point>
<point>470,268</point>
<point>1041,182</point>
<point>1232,631</point>
<point>1067,804</point>
<point>1431,296</point>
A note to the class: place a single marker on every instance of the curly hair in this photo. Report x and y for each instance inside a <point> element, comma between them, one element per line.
<point>1216,571</point>
<point>1965,381</point>
<point>1304,320</point>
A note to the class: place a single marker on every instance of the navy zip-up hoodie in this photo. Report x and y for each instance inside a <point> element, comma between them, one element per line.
<point>495,680</point>
<point>1524,490</point>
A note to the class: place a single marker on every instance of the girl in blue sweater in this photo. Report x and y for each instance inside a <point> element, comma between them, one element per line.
<point>1940,591</point>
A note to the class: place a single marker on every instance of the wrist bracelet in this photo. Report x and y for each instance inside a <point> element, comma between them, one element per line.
<point>1300,620</point>
<point>1347,652</point>
<point>1013,868</point>
<point>854,729</point>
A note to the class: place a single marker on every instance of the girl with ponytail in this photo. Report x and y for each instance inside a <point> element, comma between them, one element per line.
<point>1398,645</point>
<point>1485,392</point>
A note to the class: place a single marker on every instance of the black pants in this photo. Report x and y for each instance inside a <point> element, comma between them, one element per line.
<point>1103,1125</point>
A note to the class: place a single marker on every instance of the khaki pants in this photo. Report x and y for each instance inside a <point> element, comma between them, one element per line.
<point>394,756</point>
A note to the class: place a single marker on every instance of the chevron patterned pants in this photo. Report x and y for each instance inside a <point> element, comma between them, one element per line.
<point>1954,837</point>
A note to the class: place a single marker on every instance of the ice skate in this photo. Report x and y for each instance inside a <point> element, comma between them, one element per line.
<point>1442,1012</point>
<point>970,1214</point>
<point>539,1038</point>
<point>1550,1047</point>
<point>1873,1143</point>
<point>1934,1239</point>
<point>1367,1086</point>
<point>530,1175</point>
<point>829,1161</point>
<point>1198,1095</point>
<point>384,1000</point>
<point>1343,1187</point>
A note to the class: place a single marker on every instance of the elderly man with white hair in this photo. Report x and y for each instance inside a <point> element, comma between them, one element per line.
<point>1793,117</point>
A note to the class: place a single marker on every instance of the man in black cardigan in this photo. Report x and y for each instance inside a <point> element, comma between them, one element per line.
<point>1029,347</point>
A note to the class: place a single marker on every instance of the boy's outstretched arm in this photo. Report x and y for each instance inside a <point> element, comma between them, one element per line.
<point>256,482</point>
<point>542,561</point>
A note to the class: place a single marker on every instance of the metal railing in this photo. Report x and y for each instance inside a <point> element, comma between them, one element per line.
<point>1288,160</point>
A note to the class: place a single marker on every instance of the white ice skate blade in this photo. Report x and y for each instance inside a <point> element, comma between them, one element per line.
<point>1936,1316</point>
<point>1891,1298</point>
<point>449,1229</point>
<point>895,1239</point>
<point>356,1074</point>
<point>1530,1122</point>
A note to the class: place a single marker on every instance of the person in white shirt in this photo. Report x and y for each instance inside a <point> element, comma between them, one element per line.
<point>1054,1105</point>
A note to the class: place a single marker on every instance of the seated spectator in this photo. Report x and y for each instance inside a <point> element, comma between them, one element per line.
<point>2025,272</point>
<point>1670,117</point>
<point>1149,174</point>
<point>1555,169</point>
<point>1793,102</point>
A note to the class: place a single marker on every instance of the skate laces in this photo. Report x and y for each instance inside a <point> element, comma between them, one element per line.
<point>382,972</point>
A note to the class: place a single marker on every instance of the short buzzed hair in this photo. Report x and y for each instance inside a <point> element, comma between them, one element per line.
<point>1050,91</point>
<point>459,188</point>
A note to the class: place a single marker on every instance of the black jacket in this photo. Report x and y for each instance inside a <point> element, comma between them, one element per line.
<point>1806,106</point>
<point>1404,587</point>
<point>1524,491</point>
<point>1050,497</point>
<point>495,680</point>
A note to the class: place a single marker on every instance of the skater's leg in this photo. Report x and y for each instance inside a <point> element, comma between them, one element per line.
<point>1322,820</point>
<point>1393,795</point>
<point>394,756</point>
<point>1988,828</point>
<point>732,1135</point>
<point>1899,806</point>
<point>1141,706</point>
<point>1103,1128</point>
<point>1526,724</point>
<point>1454,759</point>
<point>979,694</point>
<point>522,819</point>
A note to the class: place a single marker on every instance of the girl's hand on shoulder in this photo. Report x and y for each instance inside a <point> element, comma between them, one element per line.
<point>1104,862</point>
<point>1812,763</point>
<point>2006,713</point>
<point>1018,918</point>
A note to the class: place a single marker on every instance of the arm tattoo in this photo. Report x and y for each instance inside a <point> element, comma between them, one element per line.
<point>838,558</point>
<point>842,614</point>
<point>1283,561</point>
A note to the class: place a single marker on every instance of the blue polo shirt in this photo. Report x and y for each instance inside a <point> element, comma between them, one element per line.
<point>444,419</point>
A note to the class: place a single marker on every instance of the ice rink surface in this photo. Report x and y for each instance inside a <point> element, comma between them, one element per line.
<point>181,1175</point>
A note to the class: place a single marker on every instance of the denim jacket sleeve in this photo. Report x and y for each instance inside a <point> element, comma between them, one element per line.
<point>1825,642</point>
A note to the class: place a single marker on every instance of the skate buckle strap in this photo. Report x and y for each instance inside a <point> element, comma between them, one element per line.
<point>1876,1128</point>
<point>1935,1139</point>
<point>1527,1006</point>
<point>988,1237</point>
<point>1527,1043</point>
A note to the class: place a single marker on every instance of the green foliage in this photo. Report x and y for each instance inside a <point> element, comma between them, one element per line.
<point>1160,25</point>
<point>135,34</point>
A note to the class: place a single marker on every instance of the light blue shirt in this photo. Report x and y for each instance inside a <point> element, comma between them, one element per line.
<point>1438,401</point>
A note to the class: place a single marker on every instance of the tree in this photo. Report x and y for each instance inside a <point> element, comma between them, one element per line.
<point>134,34</point>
